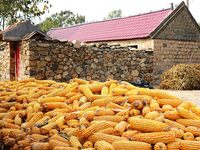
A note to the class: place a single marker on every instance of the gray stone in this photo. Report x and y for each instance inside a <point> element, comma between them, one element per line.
<point>79,70</point>
<point>93,66</point>
<point>135,73</point>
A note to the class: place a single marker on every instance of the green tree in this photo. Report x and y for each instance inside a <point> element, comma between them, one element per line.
<point>62,19</point>
<point>11,11</point>
<point>115,14</point>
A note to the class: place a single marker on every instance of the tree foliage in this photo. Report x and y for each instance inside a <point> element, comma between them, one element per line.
<point>115,14</point>
<point>12,10</point>
<point>62,19</point>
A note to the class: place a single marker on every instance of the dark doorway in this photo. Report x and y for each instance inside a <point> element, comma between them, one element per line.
<point>14,60</point>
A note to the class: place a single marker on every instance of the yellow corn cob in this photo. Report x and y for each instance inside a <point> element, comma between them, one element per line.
<point>160,146</point>
<point>110,118</point>
<point>95,128</point>
<point>74,141</point>
<point>155,137</point>
<point>102,145</point>
<point>190,145</point>
<point>18,120</point>
<point>128,145</point>
<point>39,145</point>
<point>172,115</point>
<point>96,87</point>
<point>174,146</point>
<point>185,105</point>
<point>156,93</point>
<point>47,128</point>
<point>73,98</point>
<point>86,91</point>
<point>171,102</point>
<point>147,125</point>
<point>105,90</point>
<point>87,144</point>
<point>60,121</point>
<point>103,101</point>
<point>73,123</point>
<point>53,105</point>
<point>114,106</point>
<point>129,134</point>
<point>2,110</point>
<point>196,110</point>
<point>146,110</point>
<point>34,119</point>
<point>112,86</point>
<point>137,104</point>
<point>188,136</point>
<point>154,106</point>
<point>26,142</point>
<point>189,122</point>
<point>109,130</point>
<point>9,141</point>
<point>38,137</point>
<point>174,124</point>
<point>121,127</point>
<point>187,114</point>
<point>194,130</point>
<point>54,143</point>
<point>104,111</point>
<point>132,92</point>
<point>85,106</point>
<point>145,98</point>
<point>53,99</point>
<point>83,121</point>
<point>75,105</point>
<point>119,91</point>
<point>152,115</point>
<point>59,138</point>
<point>71,131</point>
<point>80,81</point>
<point>7,105</point>
<point>134,112</point>
<point>105,137</point>
<point>64,148</point>
<point>167,108</point>
<point>178,132</point>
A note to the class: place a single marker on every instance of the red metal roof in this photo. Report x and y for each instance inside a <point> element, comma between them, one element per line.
<point>133,27</point>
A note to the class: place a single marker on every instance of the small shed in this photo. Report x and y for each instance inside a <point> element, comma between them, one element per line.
<point>10,40</point>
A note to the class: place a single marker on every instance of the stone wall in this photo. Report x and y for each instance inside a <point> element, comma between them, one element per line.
<point>170,52</point>
<point>4,61</point>
<point>61,61</point>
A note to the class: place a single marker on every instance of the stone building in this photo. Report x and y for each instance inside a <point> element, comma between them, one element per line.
<point>134,49</point>
<point>173,35</point>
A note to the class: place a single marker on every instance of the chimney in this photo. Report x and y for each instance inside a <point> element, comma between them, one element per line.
<point>172,6</point>
<point>187,3</point>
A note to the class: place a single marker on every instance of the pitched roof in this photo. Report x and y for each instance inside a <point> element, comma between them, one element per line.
<point>133,27</point>
<point>18,30</point>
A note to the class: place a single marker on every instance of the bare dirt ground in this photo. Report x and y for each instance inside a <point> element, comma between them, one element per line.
<point>193,96</point>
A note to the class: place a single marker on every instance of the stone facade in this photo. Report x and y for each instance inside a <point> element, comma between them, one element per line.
<point>61,61</point>
<point>4,60</point>
<point>170,52</point>
<point>182,27</point>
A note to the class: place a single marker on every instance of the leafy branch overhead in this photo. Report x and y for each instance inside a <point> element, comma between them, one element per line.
<point>62,19</point>
<point>115,14</point>
<point>11,11</point>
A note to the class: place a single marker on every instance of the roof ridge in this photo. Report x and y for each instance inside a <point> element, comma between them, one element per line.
<point>86,23</point>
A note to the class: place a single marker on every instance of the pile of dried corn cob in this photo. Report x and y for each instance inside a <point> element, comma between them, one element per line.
<point>111,115</point>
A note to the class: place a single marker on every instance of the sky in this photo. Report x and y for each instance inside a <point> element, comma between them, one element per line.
<point>95,10</point>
